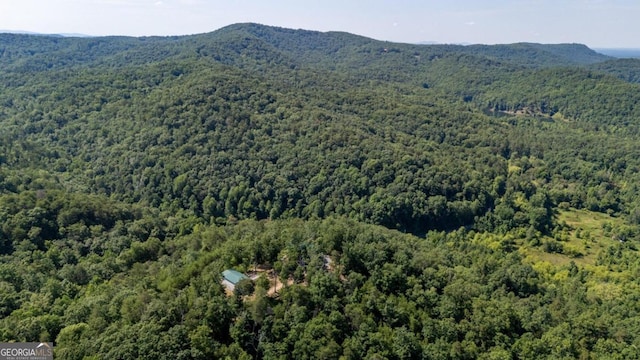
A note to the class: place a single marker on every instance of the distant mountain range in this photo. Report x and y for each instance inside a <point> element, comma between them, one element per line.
<point>36,33</point>
<point>620,53</point>
<point>613,52</point>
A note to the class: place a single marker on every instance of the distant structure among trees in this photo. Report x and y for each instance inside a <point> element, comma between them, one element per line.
<point>231,278</point>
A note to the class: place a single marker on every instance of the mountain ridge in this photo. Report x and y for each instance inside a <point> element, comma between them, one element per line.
<point>175,78</point>
<point>307,41</point>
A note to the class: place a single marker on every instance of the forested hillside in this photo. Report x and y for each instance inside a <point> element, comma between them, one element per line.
<point>413,201</point>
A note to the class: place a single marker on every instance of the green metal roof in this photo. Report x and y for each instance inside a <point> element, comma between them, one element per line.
<point>233,276</point>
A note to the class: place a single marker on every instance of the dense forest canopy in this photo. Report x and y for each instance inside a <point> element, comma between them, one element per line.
<point>412,201</point>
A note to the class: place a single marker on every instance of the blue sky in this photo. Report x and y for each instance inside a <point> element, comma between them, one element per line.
<point>597,23</point>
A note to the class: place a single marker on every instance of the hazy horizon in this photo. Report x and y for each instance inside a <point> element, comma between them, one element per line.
<point>595,23</point>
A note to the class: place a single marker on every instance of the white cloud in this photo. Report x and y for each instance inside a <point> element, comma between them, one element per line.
<point>191,2</point>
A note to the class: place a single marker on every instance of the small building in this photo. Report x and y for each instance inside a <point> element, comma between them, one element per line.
<point>230,278</point>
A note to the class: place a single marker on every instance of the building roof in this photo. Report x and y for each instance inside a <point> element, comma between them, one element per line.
<point>233,276</point>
